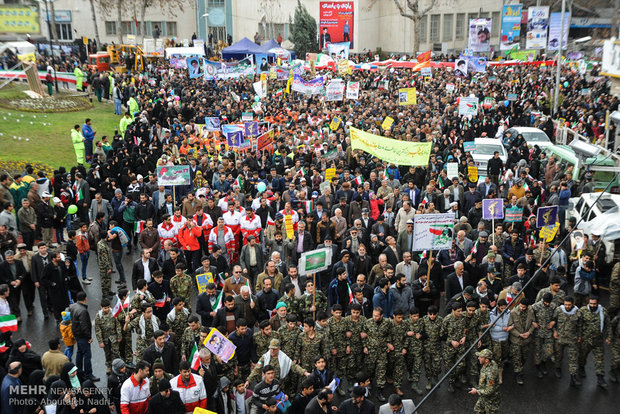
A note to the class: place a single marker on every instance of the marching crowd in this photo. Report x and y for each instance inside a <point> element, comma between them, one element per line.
<point>381,313</point>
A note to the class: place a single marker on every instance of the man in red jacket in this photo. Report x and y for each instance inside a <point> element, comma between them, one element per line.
<point>189,240</point>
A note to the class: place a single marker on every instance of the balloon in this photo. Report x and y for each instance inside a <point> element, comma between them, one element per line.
<point>566,84</point>
<point>261,187</point>
<point>256,99</point>
<point>506,103</point>
<point>72,209</point>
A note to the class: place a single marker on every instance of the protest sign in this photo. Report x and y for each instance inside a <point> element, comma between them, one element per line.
<point>335,123</point>
<point>202,280</point>
<point>452,169</point>
<point>315,261</point>
<point>492,209</point>
<point>212,123</point>
<point>353,90</point>
<point>511,96</point>
<point>472,172</point>
<point>479,35</point>
<point>251,128</point>
<point>433,231</point>
<point>338,50</point>
<point>407,96</point>
<point>173,175</point>
<point>546,216</point>
<point>247,116</point>
<point>548,233</point>
<point>391,150</point>
<point>449,87</point>
<point>194,67</point>
<point>220,70</point>
<point>513,214</point>
<point>469,146</point>
<point>334,90</point>
<point>313,87</point>
<point>387,123</point>
<point>265,140</point>
<point>330,173</point>
<point>468,106</point>
<point>234,138</point>
<point>219,345</point>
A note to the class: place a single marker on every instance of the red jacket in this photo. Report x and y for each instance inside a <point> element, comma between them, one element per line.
<point>193,394</point>
<point>189,237</point>
<point>135,396</point>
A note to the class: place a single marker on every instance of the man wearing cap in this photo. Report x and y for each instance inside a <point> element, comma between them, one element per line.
<point>489,397</point>
<point>357,404</point>
<point>281,364</point>
<point>166,401</point>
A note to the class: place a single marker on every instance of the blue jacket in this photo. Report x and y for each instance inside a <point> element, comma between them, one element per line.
<point>6,396</point>
<point>88,133</point>
<point>508,251</point>
<point>563,197</point>
<point>383,300</point>
<point>332,294</point>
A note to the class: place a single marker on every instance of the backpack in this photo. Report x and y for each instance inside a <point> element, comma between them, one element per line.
<point>122,236</point>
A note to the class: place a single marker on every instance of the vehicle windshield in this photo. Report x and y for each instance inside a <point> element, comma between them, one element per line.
<point>488,149</point>
<point>535,136</point>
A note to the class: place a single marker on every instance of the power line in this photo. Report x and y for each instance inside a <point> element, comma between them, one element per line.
<point>488,329</point>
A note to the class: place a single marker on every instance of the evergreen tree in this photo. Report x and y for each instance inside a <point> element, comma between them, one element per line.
<point>304,32</point>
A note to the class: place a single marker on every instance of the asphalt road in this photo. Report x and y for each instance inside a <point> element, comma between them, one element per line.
<point>537,395</point>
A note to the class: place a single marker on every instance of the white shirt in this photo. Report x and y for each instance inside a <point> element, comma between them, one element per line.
<point>147,271</point>
<point>4,307</point>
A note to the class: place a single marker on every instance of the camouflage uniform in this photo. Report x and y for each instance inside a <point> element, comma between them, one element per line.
<point>154,382</point>
<point>257,372</point>
<point>139,297</point>
<point>614,290</point>
<point>261,342</point>
<point>544,342</point>
<point>288,340</point>
<point>593,338</point>
<point>104,261</point>
<point>615,346</point>
<point>396,359</point>
<point>305,303</point>
<point>432,347</point>
<point>308,349</point>
<point>568,328</point>
<point>453,329</point>
<point>414,347</point>
<point>520,347</point>
<point>143,341</point>
<point>336,339</point>
<point>227,369</point>
<point>482,319</point>
<point>472,324</point>
<point>558,298</point>
<point>108,332</point>
<point>355,342</point>
<point>181,287</point>
<point>489,397</point>
<point>292,305</point>
<point>376,344</point>
<point>125,346</point>
<point>188,339</point>
<point>178,324</point>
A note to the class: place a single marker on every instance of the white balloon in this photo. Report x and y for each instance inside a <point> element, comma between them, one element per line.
<point>27,139</point>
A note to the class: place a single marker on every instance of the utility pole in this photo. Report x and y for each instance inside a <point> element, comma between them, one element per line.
<point>556,95</point>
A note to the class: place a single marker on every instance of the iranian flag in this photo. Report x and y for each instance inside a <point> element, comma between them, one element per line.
<point>525,186</point>
<point>8,323</point>
<point>309,206</point>
<point>79,196</point>
<point>159,303</point>
<point>350,293</point>
<point>220,301</point>
<point>118,307</point>
<point>474,249</point>
<point>3,347</point>
<point>138,226</point>
<point>238,182</point>
<point>437,231</point>
<point>424,201</point>
<point>270,221</point>
<point>302,172</point>
<point>279,92</point>
<point>195,358</point>
<point>359,180</point>
<point>440,182</point>
<point>423,255</point>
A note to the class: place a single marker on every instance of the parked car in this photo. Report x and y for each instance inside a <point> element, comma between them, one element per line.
<point>533,136</point>
<point>483,152</point>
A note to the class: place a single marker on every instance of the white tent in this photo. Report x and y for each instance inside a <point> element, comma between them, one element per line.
<point>185,51</point>
<point>19,48</point>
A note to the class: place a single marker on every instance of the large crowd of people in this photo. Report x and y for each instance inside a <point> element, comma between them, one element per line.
<point>381,313</point>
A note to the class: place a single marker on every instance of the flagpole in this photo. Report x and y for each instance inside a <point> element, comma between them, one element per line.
<point>428,264</point>
<point>314,296</point>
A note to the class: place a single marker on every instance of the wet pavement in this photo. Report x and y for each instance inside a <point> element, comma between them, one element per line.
<point>536,396</point>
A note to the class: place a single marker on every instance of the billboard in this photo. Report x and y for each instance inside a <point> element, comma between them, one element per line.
<point>511,26</point>
<point>479,35</point>
<point>555,28</point>
<point>19,20</point>
<point>335,22</point>
<point>537,23</point>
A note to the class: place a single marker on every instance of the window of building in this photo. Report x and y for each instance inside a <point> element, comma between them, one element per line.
<point>461,24</point>
<point>171,28</point>
<point>495,24</point>
<point>64,31</point>
<point>110,28</point>
<point>218,34</point>
<point>448,20</point>
<point>272,31</point>
<point>423,28</point>
<point>469,19</point>
<point>435,26</point>
<point>127,28</point>
<point>216,3</point>
<point>152,28</point>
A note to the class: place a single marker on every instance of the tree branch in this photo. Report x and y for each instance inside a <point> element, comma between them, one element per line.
<point>430,6</point>
<point>401,10</point>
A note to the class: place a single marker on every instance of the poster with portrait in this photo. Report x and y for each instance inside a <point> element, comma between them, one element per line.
<point>336,22</point>
<point>338,50</point>
<point>433,231</point>
<point>555,30</point>
<point>468,106</point>
<point>194,67</point>
<point>537,24</point>
<point>262,64</point>
<point>220,345</point>
<point>212,123</point>
<point>480,35</point>
<point>511,26</point>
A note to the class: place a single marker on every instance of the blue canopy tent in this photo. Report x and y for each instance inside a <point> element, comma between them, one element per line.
<point>240,49</point>
<point>266,49</point>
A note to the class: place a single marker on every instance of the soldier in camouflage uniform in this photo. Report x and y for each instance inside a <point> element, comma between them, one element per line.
<point>142,295</point>
<point>310,344</point>
<point>521,318</point>
<point>177,321</point>
<point>355,334</point>
<point>482,322</point>
<point>181,284</point>
<point>144,326</point>
<point>104,261</point>
<point>567,331</point>
<point>190,336</point>
<point>544,342</point>
<point>397,349</point>
<point>489,397</point>
<point>554,288</point>
<point>614,291</point>
<point>108,333</point>
<point>262,338</point>
<point>271,358</point>
<point>615,349</point>
<point>454,330</point>
<point>336,344</point>
<point>289,338</point>
<point>306,309</point>
<point>375,348</point>
<point>289,299</point>
<point>125,345</point>
<point>595,331</point>
<point>471,324</point>
<point>414,346</point>
<point>432,325</point>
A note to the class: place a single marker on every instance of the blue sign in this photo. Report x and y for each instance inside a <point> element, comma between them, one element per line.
<point>546,216</point>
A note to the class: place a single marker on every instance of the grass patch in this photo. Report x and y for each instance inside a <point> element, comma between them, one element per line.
<point>46,138</point>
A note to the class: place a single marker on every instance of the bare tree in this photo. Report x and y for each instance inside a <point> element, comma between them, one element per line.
<point>269,11</point>
<point>92,10</point>
<point>411,10</point>
<point>168,7</point>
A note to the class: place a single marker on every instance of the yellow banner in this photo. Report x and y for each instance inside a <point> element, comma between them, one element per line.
<point>19,20</point>
<point>548,232</point>
<point>391,150</point>
<point>407,96</point>
<point>288,223</point>
<point>330,173</point>
<point>335,123</point>
<point>472,171</point>
<point>387,123</point>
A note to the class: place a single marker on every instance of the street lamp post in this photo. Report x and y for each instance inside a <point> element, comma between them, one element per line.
<point>556,95</point>
<point>49,32</point>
